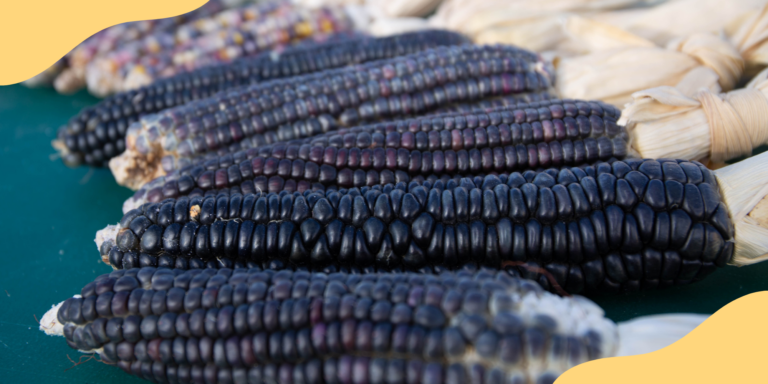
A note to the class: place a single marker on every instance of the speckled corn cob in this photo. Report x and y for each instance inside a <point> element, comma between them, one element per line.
<point>104,73</point>
<point>72,76</point>
<point>278,29</point>
<point>223,326</point>
<point>622,226</point>
<point>97,133</point>
<point>239,32</point>
<point>316,103</point>
<point>529,136</point>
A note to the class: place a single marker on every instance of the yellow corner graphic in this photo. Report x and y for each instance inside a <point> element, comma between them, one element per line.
<point>35,34</point>
<point>731,346</point>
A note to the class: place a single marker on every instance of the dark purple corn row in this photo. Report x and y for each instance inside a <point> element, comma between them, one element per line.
<point>284,133</point>
<point>361,167</point>
<point>278,186</point>
<point>629,225</point>
<point>97,133</point>
<point>509,124</point>
<point>541,135</point>
<point>254,326</point>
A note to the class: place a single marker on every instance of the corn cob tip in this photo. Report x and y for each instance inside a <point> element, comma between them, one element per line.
<point>50,323</point>
<point>137,79</point>
<point>69,158</point>
<point>132,169</point>
<point>68,82</point>
<point>103,239</point>
<point>131,203</point>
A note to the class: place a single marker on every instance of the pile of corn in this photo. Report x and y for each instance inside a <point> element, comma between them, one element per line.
<point>317,205</point>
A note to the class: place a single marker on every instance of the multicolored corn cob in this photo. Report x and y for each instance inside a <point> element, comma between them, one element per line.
<point>306,105</point>
<point>622,226</point>
<point>97,133</point>
<point>70,77</point>
<point>526,136</point>
<point>254,326</point>
<point>234,33</point>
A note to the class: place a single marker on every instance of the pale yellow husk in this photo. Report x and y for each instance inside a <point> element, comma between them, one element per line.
<point>406,8</point>
<point>674,18</point>
<point>751,38</point>
<point>386,26</point>
<point>473,16</point>
<point>684,122</point>
<point>744,187</point>
<point>534,25</point>
<point>613,75</point>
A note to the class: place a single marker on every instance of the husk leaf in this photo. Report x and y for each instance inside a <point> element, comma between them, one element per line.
<point>744,187</point>
<point>671,19</point>
<point>660,119</point>
<point>613,75</point>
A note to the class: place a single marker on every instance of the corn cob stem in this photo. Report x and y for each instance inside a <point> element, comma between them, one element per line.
<point>97,133</point>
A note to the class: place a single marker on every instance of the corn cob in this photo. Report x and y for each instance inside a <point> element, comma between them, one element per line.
<point>97,133</point>
<point>221,326</point>
<point>628,225</point>
<point>243,31</point>
<point>171,163</point>
<point>72,75</point>
<point>320,102</point>
<point>276,30</point>
<point>510,124</point>
<point>530,136</point>
<point>103,73</point>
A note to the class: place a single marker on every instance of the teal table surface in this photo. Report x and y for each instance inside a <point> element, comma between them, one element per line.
<point>50,214</point>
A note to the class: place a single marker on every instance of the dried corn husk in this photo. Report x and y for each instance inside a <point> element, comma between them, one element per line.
<point>706,126</point>
<point>675,18</point>
<point>326,3</point>
<point>375,21</point>
<point>534,25</point>
<point>473,16</point>
<point>744,187</point>
<point>385,26</point>
<point>613,75</point>
<point>751,38</point>
<point>406,8</point>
